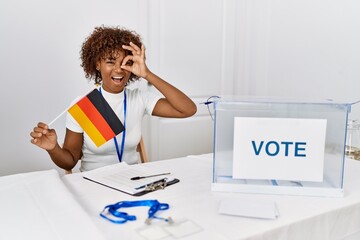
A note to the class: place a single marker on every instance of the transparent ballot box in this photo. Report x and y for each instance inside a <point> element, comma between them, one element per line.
<point>279,146</point>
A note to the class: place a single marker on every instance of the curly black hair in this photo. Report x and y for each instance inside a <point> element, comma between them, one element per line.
<point>104,42</point>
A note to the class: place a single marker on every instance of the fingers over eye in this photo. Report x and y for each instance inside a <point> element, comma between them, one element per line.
<point>127,59</point>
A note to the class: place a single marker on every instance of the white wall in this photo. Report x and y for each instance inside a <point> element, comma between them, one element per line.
<point>302,49</point>
<point>285,48</point>
<point>318,47</point>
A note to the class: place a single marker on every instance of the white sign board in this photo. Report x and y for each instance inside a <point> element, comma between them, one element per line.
<point>279,148</point>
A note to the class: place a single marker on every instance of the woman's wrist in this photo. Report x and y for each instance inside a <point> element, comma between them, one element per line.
<point>50,151</point>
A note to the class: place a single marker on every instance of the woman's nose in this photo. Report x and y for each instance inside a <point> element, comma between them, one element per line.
<point>117,67</point>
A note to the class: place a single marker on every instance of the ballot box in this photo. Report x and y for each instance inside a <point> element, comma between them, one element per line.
<point>280,146</point>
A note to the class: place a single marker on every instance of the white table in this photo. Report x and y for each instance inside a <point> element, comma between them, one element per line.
<point>37,205</point>
<point>300,217</point>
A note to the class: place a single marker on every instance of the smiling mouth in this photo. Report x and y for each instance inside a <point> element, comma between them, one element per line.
<point>117,79</point>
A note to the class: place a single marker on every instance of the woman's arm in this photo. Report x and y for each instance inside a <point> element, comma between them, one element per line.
<point>65,157</point>
<point>175,104</point>
<point>68,156</point>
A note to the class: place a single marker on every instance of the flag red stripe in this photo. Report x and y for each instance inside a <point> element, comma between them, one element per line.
<point>87,125</point>
<point>96,118</point>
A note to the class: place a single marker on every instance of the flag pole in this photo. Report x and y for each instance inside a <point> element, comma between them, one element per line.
<point>62,113</point>
<point>58,116</point>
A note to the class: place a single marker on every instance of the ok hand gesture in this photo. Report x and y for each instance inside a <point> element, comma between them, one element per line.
<point>138,67</point>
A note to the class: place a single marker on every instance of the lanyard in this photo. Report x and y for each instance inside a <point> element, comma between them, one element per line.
<point>123,217</point>
<point>120,152</point>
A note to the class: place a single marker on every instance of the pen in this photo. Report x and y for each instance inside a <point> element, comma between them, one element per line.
<point>141,177</point>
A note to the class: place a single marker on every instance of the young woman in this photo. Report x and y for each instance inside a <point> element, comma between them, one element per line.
<point>114,57</point>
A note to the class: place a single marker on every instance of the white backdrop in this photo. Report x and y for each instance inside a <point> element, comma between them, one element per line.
<point>285,48</point>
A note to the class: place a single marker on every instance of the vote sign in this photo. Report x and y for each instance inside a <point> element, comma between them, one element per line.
<point>279,148</point>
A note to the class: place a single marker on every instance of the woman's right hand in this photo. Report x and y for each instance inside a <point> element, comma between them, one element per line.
<point>44,137</point>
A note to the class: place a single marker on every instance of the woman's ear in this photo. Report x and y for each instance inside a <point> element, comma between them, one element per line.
<point>98,66</point>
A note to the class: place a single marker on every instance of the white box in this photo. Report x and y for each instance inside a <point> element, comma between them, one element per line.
<point>323,145</point>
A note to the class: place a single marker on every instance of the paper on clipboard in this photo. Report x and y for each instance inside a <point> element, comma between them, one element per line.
<point>118,177</point>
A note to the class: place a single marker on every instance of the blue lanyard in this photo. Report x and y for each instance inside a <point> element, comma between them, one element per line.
<point>120,152</point>
<point>113,210</point>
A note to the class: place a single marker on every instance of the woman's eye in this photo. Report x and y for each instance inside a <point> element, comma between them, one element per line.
<point>129,63</point>
<point>110,60</point>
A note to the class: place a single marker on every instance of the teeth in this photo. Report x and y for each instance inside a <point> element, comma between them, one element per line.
<point>118,78</point>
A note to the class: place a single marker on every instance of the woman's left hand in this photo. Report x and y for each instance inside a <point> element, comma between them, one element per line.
<point>138,66</point>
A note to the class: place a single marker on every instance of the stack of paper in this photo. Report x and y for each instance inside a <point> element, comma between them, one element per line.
<point>119,177</point>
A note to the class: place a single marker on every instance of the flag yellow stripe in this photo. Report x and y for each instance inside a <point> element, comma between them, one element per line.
<point>87,125</point>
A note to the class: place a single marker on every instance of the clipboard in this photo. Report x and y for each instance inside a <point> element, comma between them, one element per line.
<point>118,177</point>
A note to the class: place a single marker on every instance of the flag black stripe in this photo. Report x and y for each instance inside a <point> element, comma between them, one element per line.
<point>106,111</point>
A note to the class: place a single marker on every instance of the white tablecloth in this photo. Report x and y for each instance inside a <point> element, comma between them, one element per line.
<point>37,205</point>
<point>300,217</point>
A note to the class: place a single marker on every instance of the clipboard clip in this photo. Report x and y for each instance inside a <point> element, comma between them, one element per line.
<point>161,184</point>
<point>151,187</point>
